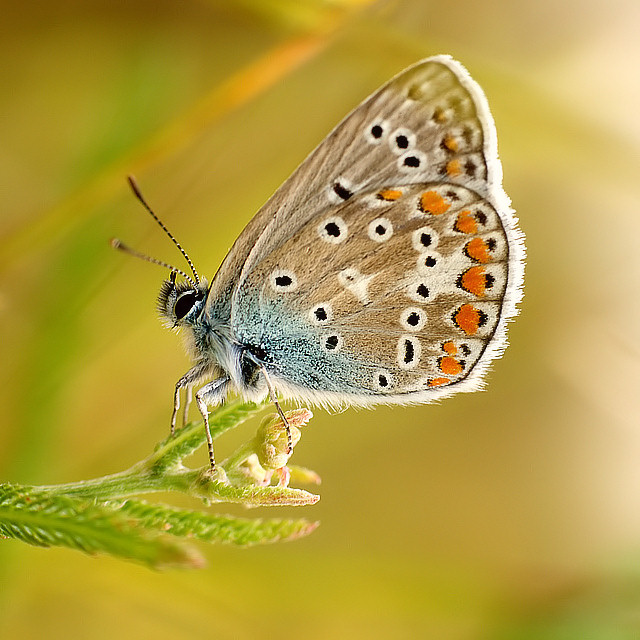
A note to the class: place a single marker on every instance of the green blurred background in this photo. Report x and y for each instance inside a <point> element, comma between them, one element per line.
<point>512,513</point>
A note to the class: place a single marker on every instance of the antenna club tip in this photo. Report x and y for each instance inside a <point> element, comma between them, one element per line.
<point>134,187</point>
<point>115,243</point>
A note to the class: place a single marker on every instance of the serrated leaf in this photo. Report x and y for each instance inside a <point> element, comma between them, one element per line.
<point>252,496</point>
<point>214,527</point>
<point>45,520</point>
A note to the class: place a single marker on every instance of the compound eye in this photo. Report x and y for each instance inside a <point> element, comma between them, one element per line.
<point>184,304</point>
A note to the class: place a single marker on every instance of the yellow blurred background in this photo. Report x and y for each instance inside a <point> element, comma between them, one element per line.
<point>511,513</point>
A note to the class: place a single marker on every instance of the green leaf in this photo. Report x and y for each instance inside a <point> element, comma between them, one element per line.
<point>214,527</point>
<point>42,519</point>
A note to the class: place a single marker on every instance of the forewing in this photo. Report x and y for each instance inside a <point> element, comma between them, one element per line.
<point>431,113</point>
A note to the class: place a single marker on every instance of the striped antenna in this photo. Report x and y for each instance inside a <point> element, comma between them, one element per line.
<point>134,187</point>
<point>121,246</point>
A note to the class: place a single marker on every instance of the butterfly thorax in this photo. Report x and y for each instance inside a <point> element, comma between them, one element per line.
<point>208,338</point>
<point>209,343</point>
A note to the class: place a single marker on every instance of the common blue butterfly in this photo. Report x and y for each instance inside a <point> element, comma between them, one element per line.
<point>383,271</point>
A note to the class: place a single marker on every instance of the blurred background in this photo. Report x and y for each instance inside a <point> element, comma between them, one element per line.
<point>511,513</point>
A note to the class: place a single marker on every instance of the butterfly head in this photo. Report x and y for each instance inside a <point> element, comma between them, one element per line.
<point>181,303</point>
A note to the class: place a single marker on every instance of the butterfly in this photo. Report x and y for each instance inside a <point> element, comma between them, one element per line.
<point>383,271</point>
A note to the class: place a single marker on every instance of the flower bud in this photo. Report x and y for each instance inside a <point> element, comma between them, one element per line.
<point>271,439</point>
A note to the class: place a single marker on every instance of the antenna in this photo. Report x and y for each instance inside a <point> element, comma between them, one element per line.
<point>134,187</point>
<point>118,244</point>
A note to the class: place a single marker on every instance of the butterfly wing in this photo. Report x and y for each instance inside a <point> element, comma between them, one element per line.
<point>341,238</point>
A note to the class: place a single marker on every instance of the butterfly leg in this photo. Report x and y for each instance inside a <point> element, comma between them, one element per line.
<point>212,393</point>
<point>187,403</point>
<point>274,399</point>
<point>187,380</point>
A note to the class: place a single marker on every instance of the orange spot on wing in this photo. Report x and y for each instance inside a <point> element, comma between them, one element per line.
<point>450,348</point>
<point>436,382</point>
<point>432,202</point>
<point>439,115</point>
<point>389,194</point>
<point>478,250</point>
<point>469,319</point>
<point>450,142</point>
<point>466,223</point>
<point>453,168</point>
<point>450,366</point>
<point>474,280</point>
